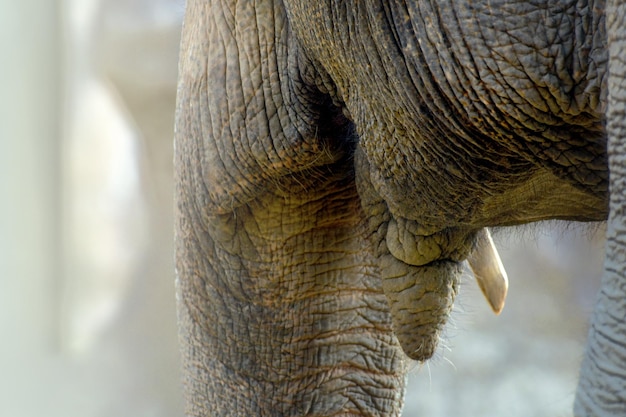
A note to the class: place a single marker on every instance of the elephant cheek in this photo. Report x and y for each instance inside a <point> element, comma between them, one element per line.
<point>420,299</point>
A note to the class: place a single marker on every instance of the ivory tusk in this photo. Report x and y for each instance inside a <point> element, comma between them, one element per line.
<point>489,271</point>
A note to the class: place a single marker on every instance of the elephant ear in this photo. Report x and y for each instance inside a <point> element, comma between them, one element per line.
<point>244,113</point>
<point>488,270</point>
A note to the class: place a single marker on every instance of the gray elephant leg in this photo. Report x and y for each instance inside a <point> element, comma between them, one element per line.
<point>602,386</point>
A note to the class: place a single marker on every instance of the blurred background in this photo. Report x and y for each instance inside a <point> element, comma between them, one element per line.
<point>87,310</point>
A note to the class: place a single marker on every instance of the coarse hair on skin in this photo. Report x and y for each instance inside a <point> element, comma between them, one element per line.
<point>558,229</point>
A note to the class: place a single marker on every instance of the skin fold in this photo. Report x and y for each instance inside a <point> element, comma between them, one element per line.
<point>338,162</point>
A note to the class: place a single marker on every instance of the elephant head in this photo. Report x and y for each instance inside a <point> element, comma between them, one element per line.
<point>337,162</point>
<point>461,126</point>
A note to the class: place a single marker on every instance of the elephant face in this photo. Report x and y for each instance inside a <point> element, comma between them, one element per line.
<point>468,115</point>
<point>463,123</point>
<point>338,161</point>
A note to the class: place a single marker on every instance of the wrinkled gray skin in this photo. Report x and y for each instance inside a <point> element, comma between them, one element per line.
<point>335,162</point>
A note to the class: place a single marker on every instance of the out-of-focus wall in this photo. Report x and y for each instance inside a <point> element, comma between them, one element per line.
<point>87,305</point>
<point>29,141</point>
<point>118,312</point>
<point>87,314</point>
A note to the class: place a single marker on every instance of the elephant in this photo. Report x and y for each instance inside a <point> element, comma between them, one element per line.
<point>337,163</point>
